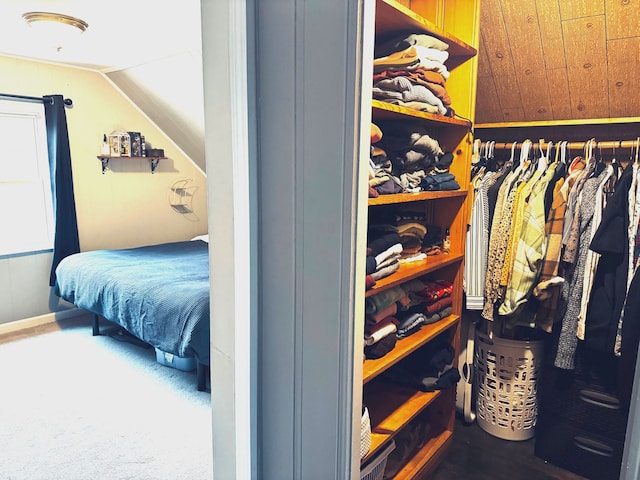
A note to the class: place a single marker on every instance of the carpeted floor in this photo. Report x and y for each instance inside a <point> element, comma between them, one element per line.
<point>78,407</point>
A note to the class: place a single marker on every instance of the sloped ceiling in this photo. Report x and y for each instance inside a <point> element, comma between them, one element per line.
<point>169,91</point>
<point>538,60</point>
<point>545,60</point>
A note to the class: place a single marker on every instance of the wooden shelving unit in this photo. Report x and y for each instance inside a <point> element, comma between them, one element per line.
<point>392,407</point>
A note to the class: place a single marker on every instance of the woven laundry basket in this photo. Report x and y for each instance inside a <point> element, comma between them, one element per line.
<point>506,377</point>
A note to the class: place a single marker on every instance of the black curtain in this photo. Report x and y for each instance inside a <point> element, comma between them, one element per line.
<point>66,239</point>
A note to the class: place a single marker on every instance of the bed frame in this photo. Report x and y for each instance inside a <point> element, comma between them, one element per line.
<point>202,370</point>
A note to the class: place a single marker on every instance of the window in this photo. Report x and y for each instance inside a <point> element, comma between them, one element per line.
<point>25,186</point>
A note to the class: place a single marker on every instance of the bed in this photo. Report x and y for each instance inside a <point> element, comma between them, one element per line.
<point>157,293</point>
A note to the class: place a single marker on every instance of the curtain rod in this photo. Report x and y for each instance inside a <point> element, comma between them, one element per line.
<point>67,101</point>
<point>571,145</point>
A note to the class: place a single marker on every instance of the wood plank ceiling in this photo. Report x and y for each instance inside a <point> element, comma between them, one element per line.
<point>542,60</point>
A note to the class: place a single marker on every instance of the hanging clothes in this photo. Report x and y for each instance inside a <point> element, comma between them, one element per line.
<point>478,239</point>
<point>591,262</point>
<point>560,250</point>
<point>574,280</point>
<point>500,233</point>
<point>531,244</point>
<point>608,291</point>
<point>551,280</point>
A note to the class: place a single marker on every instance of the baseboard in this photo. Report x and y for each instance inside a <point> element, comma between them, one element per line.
<point>40,320</point>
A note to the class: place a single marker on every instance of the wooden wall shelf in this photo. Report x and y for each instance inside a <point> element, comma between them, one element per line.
<point>153,161</point>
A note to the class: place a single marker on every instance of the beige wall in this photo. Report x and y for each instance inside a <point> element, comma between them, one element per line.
<point>127,206</point>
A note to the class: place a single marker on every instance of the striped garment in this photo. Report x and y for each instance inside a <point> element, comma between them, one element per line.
<point>477,245</point>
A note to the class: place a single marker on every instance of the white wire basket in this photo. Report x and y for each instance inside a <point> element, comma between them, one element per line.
<point>365,434</point>
<point>374,469</point>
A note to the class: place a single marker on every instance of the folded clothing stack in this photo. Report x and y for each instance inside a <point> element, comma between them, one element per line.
<point>401,311</point>
<point>429,302</point>
<point>408,159</point>
<point>432,242</point>
<point>417,235</point>
<point>412,230</point>
<point>381,322</point>
<point>439,181</point>
<point>410,71</point>
<point>384,247</point>
<point>381,178</point>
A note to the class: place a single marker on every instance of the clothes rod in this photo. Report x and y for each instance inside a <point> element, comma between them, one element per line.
<point>67,101</point>
<point>570,145</point>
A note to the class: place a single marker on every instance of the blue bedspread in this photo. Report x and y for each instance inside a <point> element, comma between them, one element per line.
<point>159,293</point>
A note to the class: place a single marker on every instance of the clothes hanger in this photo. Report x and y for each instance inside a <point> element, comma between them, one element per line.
<point>514,164</point>
<point>524,152</point>
<point>543,161</point>
<point>600,163</point>
<point>492,162</point>
<point>614,162</point>
<point>556,158</point>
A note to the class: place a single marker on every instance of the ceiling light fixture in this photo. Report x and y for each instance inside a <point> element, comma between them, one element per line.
<point>56,27</point>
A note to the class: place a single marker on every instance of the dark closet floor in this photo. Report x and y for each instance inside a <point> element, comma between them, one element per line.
<point>477,455</point>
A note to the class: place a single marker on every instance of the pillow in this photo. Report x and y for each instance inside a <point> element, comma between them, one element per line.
<point>204,238</point>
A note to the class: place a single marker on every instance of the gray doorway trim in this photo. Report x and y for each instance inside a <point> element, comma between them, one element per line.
<point>308,144</point>
<point>231,200</point>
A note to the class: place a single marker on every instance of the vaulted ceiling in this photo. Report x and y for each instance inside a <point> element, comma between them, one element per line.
<point>543,60</point>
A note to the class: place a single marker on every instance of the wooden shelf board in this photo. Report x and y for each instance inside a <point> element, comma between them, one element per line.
<point>387,111</point>
<point>411,270</point>
<point>100,157</point>
<point>392,406</point>
<point>559,123</point>
<point>428,457</point>
<point>378,441</point>
<point>393,17</point>
<point>405,346</point>
<point>394,198</point>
